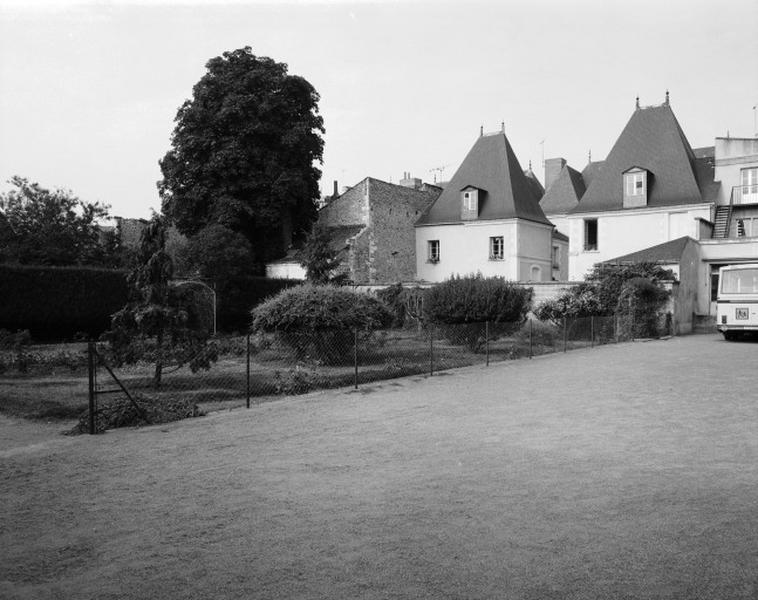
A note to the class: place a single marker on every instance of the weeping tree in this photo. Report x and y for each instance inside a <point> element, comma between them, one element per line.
<point>162,324</point>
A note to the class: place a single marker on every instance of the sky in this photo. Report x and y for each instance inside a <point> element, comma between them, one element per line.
<point>89,90</point>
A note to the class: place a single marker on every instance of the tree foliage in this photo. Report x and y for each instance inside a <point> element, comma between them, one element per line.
<point>599,294</point>
<point>243,153</point>
<point>319,258</point>
<point>219,254</point>
<point>161,323</point>
<point>43,227</point>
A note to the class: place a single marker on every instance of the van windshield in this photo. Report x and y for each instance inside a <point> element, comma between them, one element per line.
<point>740,281</point>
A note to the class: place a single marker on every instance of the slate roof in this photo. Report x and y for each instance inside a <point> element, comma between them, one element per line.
<point>667,252</point>
<point>490,165</point>
<point>557,235</point>
<point>535,184</point>
<point>591,171</point>
<point>653,140</point>
<point>564,193</point>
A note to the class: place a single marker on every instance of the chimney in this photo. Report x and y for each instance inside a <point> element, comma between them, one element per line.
<point>553,168</point>
<point>336,190</point>
<point>410,182</point>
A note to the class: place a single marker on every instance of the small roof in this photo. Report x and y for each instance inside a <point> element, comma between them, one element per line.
<point>667,252</point>
<point>591,171</point>
<point>565,192</point>
<point>652,140</point>
<point>492,166</point>
<point>557,235</point>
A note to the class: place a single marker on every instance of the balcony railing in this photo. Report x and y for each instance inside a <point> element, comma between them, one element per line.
<point>745,194</point>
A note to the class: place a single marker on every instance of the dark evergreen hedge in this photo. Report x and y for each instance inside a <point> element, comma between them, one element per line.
<point>57,303</point>
<point>237,299</point>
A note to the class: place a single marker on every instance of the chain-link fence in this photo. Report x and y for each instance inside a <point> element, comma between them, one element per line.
<point>258,367</point>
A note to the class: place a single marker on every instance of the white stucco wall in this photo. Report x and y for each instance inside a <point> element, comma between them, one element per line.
<point>464,249</point>
<point>627,231</point>
<point>731,156</point>
<point>285,270</point>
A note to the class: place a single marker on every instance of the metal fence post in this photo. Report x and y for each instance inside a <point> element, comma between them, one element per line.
<point>531,336</point>
<point>431,350</point>
<point>355,355</point>
<point>91,370</point>
<point>487,341</point>
<point>247,373</point>
<point>565,334</point>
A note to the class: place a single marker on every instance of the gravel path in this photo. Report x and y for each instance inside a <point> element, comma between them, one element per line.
<point>626,471</point>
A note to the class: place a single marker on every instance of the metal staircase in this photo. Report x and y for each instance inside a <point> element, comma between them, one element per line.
<point>721,221</point>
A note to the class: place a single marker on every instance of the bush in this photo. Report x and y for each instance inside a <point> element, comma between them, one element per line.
<point>581,300</point>
<point>640,307</point>
<point>320,320</point>
<point>56,303</point>
<point>475,299</point>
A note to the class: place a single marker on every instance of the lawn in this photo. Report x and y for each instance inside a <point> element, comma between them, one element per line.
<point>626,471</point>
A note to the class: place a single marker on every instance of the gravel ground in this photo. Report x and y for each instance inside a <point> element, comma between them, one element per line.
<point>624,471</point>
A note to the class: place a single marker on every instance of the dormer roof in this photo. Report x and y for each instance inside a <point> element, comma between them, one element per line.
<point>490,166</point>
<point>652,140</point>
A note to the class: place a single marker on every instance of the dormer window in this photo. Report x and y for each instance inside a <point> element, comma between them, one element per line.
<point>469,203</point>
<point>635,187</point>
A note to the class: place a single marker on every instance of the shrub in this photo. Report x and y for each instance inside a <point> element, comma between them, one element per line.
<point>639,308</point>
<point>581,300</point>
<point>320,320</point>
<point>475,299</point>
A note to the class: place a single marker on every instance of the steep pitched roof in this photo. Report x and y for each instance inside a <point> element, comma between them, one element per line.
<point>534,183</point>
<point>667,252</point>
<point>565,192</point>
<point>591,171</point>
<point>492,166</point>
<point>653,140</point>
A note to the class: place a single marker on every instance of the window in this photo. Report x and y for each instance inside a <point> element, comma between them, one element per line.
<point>556,257</point>
<point>536,273</point>
<point>469,201</point>
<point>433,251</point>
<point>749,189</point>
<point>469,204</point>
<point>590,234</point>
<point>635,188</point>
<point>497,248</point>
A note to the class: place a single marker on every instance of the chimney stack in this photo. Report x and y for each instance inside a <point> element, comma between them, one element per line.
<point>336,190</point>
<point>553,168</point>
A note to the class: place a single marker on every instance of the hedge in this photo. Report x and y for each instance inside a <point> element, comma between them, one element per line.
<point>56,303</point>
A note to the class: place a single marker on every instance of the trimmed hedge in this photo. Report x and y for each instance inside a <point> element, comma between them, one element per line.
<point>56,303</point>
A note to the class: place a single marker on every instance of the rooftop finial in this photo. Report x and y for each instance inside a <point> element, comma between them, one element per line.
<point>637,103</point>
<point>530,164</point>
<point>667,98</point>
<point>589,156</point>
<point>481,130</point>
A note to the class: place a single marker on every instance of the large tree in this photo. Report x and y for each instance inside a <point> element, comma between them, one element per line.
<point>244,153</point>
<point>39,226</point>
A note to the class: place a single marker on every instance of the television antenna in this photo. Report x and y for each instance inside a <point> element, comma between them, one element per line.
<point>439,170</point>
